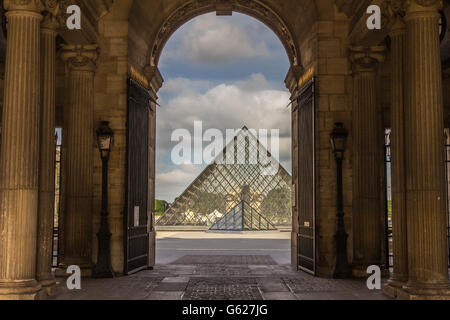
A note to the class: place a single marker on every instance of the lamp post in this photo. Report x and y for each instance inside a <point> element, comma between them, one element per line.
<point>103,268</point>
<point>338,143</point>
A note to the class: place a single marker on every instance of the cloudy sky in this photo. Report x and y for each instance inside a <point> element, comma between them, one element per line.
<point>226,72</point>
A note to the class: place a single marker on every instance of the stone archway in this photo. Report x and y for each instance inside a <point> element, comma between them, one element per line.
<point>188,10</point>
<point>253,8</point>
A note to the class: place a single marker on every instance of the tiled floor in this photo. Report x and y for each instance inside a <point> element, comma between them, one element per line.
<point>205,280</point>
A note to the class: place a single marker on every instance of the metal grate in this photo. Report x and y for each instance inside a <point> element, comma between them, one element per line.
<point>58,150</point>
<point>222,289</point>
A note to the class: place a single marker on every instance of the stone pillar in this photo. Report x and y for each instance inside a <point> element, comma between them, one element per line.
<point>19,160</point>
<point>398,162</point>
<point>425,174</point>
<point>79,155</point>
<point>367,159</point>
<point>46,205</point>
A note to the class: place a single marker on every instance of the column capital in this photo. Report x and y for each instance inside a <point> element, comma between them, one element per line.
<point>50,23</point>
<point>421,7</point>
<point>395,11</point>
<point>51,17</point>
<point>80,57</point>
<point>366,59</point>
<point>24,5</point>
<point>398,27</point>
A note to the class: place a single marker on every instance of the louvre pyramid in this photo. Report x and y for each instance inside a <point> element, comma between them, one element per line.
<point>243,218</point>
<point>222,186</point>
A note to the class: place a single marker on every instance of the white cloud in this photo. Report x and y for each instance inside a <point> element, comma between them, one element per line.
<point>210,39</point>
<point>172,183</point>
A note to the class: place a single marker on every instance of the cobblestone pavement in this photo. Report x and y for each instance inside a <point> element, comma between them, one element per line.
<point>205,280</point>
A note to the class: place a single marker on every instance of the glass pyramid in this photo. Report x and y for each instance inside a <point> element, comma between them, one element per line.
<point>243,218</point>
<point>223,186</point>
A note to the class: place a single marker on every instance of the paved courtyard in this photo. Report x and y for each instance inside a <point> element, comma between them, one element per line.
<point>172,245</point>
<point>203,266</point>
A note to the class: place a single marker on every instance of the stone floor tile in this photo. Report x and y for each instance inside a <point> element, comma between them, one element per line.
<point>279,296</point>
<point>171,286</point>
<point>175,280</point>
<point>165,295</point>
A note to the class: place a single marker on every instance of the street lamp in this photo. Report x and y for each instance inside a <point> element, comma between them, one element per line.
<point>103,268</point>
<point>338,140</point>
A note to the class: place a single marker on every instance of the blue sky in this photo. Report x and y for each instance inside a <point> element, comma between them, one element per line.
<point>227,72</point>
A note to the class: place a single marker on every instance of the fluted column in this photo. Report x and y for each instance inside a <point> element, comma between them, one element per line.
<point>79,157</point>
<point>19,160</point>
<point>46,205</point>
<point>425,173</point>
<point>399,275</point>
<point>367,159</point>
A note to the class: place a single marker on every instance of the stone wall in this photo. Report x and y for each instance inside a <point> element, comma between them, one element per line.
<point>326,51</point>
<point>110,105</point>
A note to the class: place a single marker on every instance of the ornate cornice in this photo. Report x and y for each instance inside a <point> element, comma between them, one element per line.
<point>80,57</point>
<point>91,12</point>
<point>254,8</point>
<point>366,58</point>
<point>292,78</point>
<point>154,77</point>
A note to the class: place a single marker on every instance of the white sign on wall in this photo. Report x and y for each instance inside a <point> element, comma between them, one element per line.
<point>136,216</point>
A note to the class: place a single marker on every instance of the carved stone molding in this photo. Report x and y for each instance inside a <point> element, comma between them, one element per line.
<point>292,78</point>
<point>366,59</point>
<point>51,20</point>
<point>80,57</point>
<point>254,8</point>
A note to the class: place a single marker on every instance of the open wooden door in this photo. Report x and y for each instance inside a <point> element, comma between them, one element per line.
<point>304,180</point>
<point>137,201</point>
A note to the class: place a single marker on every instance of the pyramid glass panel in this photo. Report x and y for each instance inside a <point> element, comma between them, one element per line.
<point>222,186</point>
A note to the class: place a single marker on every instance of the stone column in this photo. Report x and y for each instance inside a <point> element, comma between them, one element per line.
<point>367,159</point>
<point>46,207</point>
<point>19,160</point>
<point>79,155</point>
<point>425,174</point>
<point>398,162</point>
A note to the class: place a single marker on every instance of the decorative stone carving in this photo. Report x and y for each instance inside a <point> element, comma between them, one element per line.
<point>51,20</point>
<point>80,57</point>
<point>253,8</point>
<point>366,58</point>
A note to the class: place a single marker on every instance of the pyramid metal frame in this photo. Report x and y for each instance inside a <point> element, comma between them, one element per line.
<point>243,218</point>
<point>221,187</point>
